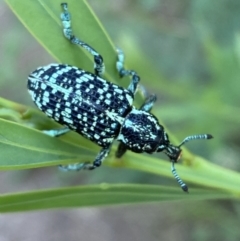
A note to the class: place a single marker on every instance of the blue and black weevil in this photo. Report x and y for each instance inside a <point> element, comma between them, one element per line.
<point>100,110</point>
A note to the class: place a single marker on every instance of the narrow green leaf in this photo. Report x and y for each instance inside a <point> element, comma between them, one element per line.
<point>27,148</point>
<point>197,171</point>
<point>42,19</point>
<point>99,195</point>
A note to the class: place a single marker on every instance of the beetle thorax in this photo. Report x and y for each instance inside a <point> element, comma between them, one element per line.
<point>141,132</point>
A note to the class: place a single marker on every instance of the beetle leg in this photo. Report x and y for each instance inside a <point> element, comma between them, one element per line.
<point>86,165</point>
<point>78,166</point>
<point>149,102</point>
<point>123,72</point>
<point>67,30</point>
<point>122,148</point>
<point>57,132</point>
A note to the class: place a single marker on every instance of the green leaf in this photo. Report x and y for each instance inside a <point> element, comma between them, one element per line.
<point>100,195</point>
<point>27,148</point>
<point>42,19</point>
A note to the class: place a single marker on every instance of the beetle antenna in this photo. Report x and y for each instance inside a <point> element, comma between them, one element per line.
<point>195,137</point>
<point>187,139</point>
<point>179,180</point>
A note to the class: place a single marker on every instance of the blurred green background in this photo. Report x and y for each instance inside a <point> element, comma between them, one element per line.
<point>194,49</point>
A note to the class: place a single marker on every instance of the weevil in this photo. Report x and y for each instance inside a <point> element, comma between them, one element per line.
<point>99,110</point>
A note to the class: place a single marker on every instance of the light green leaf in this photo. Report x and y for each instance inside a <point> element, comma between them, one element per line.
<point>100,195</point>
<point>42,19</point>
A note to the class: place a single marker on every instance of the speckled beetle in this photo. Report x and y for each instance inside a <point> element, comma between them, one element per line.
<point>99,110</point>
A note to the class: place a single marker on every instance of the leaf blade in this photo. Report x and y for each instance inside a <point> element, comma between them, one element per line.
<point>100,195</point>
<point>45,26</point>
